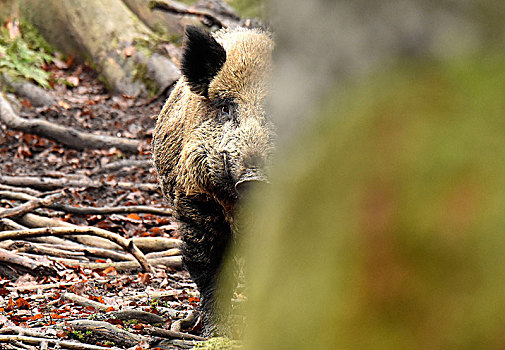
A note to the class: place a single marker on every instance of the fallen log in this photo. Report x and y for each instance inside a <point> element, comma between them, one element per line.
<point>65,135</point>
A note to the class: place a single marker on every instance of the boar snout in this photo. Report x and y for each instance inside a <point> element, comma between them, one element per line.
<point>250,181</point>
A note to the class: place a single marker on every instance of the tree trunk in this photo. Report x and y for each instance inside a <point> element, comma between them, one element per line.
<point>110,36</point>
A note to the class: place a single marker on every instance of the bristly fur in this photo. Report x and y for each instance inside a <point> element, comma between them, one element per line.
<point>202,153</point>
<point>202,59</point>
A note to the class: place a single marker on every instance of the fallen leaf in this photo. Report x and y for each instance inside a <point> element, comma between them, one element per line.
<point>128,51</point>
<point>73,80</point>
<point>63,104</point>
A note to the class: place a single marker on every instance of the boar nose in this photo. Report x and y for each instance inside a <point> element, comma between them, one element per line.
<point>248,183</point>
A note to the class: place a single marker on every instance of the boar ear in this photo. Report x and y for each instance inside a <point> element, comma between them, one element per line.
<point>202,59</point>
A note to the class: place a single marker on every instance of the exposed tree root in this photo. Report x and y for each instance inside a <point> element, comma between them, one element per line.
<point>65,135</point>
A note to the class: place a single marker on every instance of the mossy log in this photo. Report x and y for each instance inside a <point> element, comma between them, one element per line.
<point>108,35</point>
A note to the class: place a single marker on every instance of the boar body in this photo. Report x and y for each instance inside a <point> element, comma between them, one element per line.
<point>212,140</point>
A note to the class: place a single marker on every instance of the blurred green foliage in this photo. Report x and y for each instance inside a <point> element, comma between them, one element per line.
<point>25,55</point>
<point>245,8</point>
<point>249,8</point>
<point>384,225</point>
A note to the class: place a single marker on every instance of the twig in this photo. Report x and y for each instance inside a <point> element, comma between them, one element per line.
<point>35,248</point>
<point>33,266</point>
<point>20,189</point>
<point>88,250</point>
<point>65,135</point>
<point>48,183</point>
<point>82,301</point>
<point>54,342</point>
<point>181,9</point>
<point>91,210</point>
<point>126,244</point>
<point>171,261</point>
<point>149,244</point>
<point>165,333</point>
<point>142,163</point>
<point>30,205</point>
<point>163,254</point>
<point>11,225</point>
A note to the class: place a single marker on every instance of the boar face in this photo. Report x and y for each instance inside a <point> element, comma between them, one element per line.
<point>212,136</point>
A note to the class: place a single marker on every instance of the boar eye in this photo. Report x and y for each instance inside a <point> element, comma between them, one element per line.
<point>226,111</point>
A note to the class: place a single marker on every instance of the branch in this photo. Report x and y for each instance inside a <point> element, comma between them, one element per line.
<point>126,244</point>
<point>49,183</point>
<point>65,135</point>
<point>181,9</point>
<point>30,205</point>
<point>53,342</point>
<point>85,210</point>
<point>165,333</point>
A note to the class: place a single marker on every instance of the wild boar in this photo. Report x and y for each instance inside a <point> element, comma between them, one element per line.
<point>212,140</point>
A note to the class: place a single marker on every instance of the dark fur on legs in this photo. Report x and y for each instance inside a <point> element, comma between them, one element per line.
<point>207,236</point>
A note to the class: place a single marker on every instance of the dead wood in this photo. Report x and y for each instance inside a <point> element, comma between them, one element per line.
<point>35,221</point>
<point>48,183</point>
<point>105,331</point>
<point>85,210</point>
<point>40,287</point>
<point>85,302</point>
<point>169,334</point>
<point>151,244</point>
<point>163,254</point>
<point>186,322</point>
<point>126,244</point>
<point>34,267</point>
<point>7,338</point>
<point>92,251</point>
<point>113,210</point>
<point>171,261</point>
<point>67,136</point>
<point>144,316</point>
<point>8,224</point>
<point>29,191</point>
<point>126,163</point>
<point>40,249</point>
<point>175,7</point>
<point>30,205</point>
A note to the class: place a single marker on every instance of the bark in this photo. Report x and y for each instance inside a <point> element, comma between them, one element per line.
<point>99,31</point>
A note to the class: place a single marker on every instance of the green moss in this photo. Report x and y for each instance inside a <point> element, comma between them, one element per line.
<point>249,8</point>
<point>140,74</point>
<point>25,55</point>
<point>219,343</point>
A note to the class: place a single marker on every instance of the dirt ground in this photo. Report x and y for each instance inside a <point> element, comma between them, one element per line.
<point>37,303</point>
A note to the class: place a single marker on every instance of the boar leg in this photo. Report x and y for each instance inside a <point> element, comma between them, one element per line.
<point>206,235</point>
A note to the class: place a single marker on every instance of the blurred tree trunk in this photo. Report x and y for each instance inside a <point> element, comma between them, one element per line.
<point>108,35</point>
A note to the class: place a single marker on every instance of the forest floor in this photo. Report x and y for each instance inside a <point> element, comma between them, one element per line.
<point>58,306</point>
